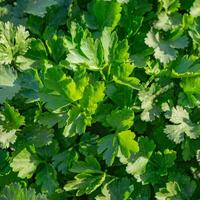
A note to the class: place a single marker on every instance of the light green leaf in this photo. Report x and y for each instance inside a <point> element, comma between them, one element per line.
<point>24,163</point>
<point>85,183</point>
<point>127,143</point>
<point>92,95</point>
<point>76,123</point>
<point>165,50</point>
<point>182,126</point>
<point>195,9</point>
<point>139,161</point>
<point>7,138</point>
<point>13,42</point>
<point>59,90</point>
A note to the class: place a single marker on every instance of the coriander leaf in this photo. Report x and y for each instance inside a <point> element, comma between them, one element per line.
<point>189,148</point>
<point>4,163</point>
<point>63,161</point>
<point>92,95</point>
<point>49,119</point>
<point>181,126</point>
<point>39,136</point>
<point>148,98</point>
<point>166,22</point>
<point>90,165</point>
<point>37,7</point>
<point>13,42</point>
<point>120,120</point>
<point>158,166</point>
<point>30,83</point>
<point>85,183</point>
<point>9,85</point>
<point>12,118</point>
<point>165,50</point>
<point>24,163</point>
<point>88,55</point>
<point>46,178</point>
<point>7,138</point>
<point>108,146</point>
<point>127,143</point>
<point>185,67</point>
<point>57,47</point>
<point>116,189</point>
<point>137,165</point>
<point>170,6</point>
<point>191,88</point>
<point>178,187</point>
<point>103,14</point>
<point>16,191</point>
<point>59,90</point>
<point>195,9</point>
<point>76,123</point>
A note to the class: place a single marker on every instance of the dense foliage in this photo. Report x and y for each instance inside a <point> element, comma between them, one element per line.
<point>100,99</point>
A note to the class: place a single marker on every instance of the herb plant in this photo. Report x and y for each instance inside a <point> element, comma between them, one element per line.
<point>99,99</point>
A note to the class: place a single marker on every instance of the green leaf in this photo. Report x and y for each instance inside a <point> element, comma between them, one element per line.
<point>39,136</point>
<point>92,95</point>
<point>137,165</point>
<point>181,126</point>
<point>9,85</point>
<point>185,67</point>
<point>195,9</point>
<point>16,191</point>
<point>7,138</point>
<point>178,187</point>
<point>24,163</point>
<point>117,189</point>
<point>120,120</point>
<point>38,7</point>
<point>46,178</point>
<point>103,14</point>
<point>12,118</point>
<point>158,166</point>
<point>165,50</point>
<point>59,90</point>
<point>4,163</point>
<point>108,146</point>
<point>88,55</point>
<point>49,119</point>
<point>189,149</point>
<point>191,88</point>
<point>166,22</point>
<point>85,183</point>
<point>76,123</point>
<point>131,82</point>
<point>170,6</point>
<point>91,166</point>
<point>13,42</point>
<point>127,143</point>
<point>63,161</point>
<point>56,47</point>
